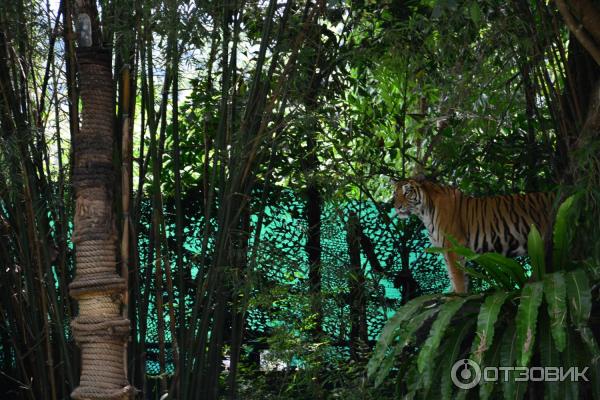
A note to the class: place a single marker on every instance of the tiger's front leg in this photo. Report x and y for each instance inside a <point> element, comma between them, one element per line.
<point>457,276</point>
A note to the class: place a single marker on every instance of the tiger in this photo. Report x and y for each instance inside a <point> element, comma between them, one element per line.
<point>483,224</point>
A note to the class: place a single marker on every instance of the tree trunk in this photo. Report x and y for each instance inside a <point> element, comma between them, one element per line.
<point>100,329</point>
<point>356,282</point>
<point>239,261</point>
<point>313,249</point>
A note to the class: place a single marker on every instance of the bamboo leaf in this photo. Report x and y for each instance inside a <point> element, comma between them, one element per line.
<point>460,250</point>
<point>508,265</point>
<point>463,251</point>
<point>488,314</point>
<point>535,249</point>
<point>454,242</point>
<point>493,274</point>
<point>500,268</point>
<point>390,330</point>
<point>499,276</point>
<point>435,250</point>
<point>475,13</point>
<point>555,293</point>
<point>473,273</point>
<point>526,320</point>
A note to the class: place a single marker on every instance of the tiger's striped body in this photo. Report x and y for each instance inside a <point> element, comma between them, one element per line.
<point>497,223</point>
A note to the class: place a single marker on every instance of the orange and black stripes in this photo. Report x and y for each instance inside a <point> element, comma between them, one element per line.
<point>496,223</point>
<point>502,223</point>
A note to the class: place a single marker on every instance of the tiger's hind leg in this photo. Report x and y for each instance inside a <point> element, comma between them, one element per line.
<point>456,275</point>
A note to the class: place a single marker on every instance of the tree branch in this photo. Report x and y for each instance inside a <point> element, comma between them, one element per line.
<point>589,16</point>
<point>578,30</point>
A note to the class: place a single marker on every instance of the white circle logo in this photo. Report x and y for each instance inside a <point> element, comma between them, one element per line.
<point>465,374</point>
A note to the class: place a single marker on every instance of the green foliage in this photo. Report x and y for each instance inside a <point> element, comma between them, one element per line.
<point>555,294</point>
<point>497,270</point>
<point>535,249</point>
<point>405,337</point>
<point>580,297</point>
<point>526,320</point>
<point>391,330</point>
<point>562,235</point>
<point>506,273</point>
<point>549,355</point>
<point>509,349</point>
<point>335,94</point>
<point>512,333</point>
<point>488,315</point>
<point>544,320</point>
<point>438,329</point>
<point>453,347</point>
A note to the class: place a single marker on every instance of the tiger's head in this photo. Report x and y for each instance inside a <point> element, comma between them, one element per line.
<point>408,197</point>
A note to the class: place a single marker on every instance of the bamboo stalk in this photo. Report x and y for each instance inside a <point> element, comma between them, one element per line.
<point>177,170</point>
<point>126,176</point>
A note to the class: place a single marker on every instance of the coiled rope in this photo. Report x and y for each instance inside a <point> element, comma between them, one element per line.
<point>100,330</point>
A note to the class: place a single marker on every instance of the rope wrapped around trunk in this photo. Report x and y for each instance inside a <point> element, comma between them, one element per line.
<point>100,330</point>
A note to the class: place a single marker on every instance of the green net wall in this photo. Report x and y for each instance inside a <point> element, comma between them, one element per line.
<point>279,298</point>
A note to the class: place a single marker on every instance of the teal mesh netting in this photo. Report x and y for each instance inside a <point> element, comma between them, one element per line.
<point>281,269</point>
